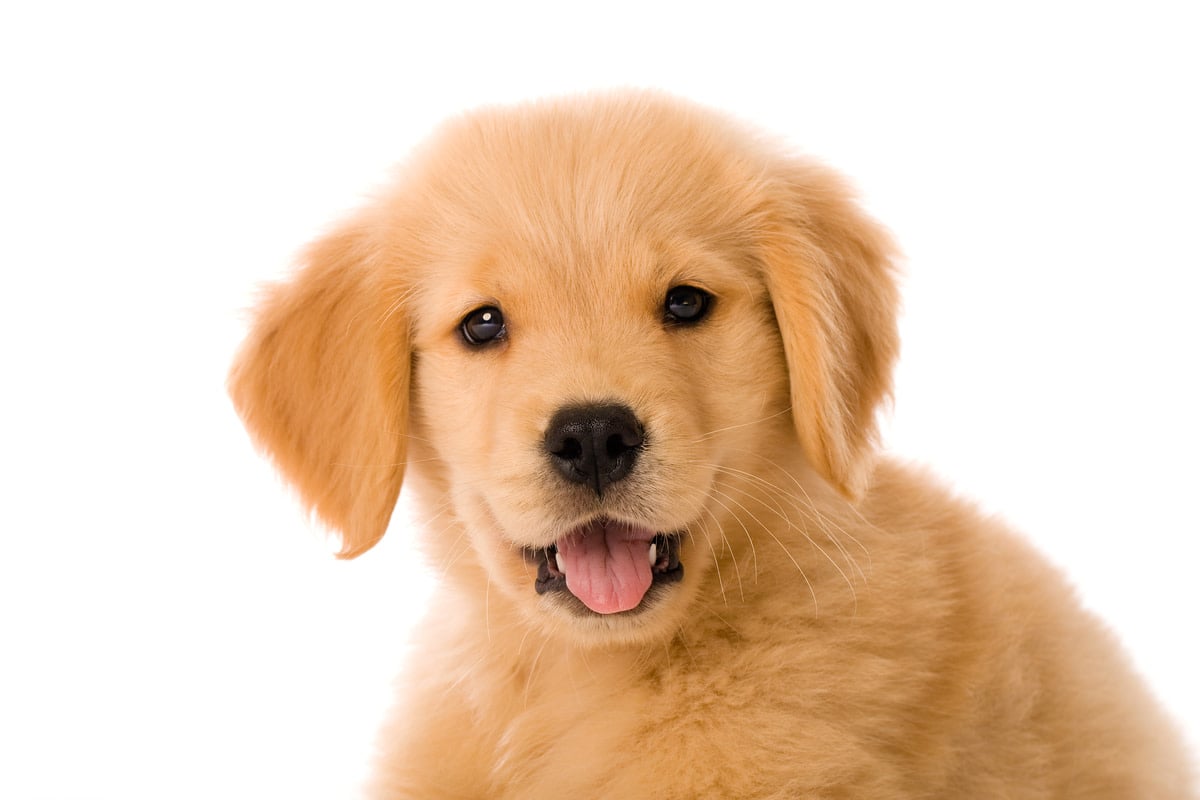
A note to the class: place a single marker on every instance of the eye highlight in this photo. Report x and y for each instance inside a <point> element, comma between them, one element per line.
<point>685,305</point>
<point>483,325</point>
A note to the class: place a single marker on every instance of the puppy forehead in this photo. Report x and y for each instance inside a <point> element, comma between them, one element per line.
<point>627,275</point>
<point>609,199</point>
<point>620,266</point>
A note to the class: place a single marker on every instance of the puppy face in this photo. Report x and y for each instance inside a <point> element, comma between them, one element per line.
<point>591,327</point>
<point>586,404</point>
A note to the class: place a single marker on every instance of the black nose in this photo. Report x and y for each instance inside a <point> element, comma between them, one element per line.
<point>594,444</point>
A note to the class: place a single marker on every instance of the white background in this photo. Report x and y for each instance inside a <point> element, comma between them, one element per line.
<point>170,624</point>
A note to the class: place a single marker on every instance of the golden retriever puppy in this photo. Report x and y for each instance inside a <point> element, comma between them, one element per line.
<point>628,355</point>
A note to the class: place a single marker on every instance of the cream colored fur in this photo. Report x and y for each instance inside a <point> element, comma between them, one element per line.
<point>845,628</point>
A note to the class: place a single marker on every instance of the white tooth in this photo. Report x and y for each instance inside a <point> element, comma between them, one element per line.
<point>558,559</point>
<point>653,554</point>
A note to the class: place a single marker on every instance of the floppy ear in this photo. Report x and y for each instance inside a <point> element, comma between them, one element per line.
<point>829,272</point>
<point>322,385</point>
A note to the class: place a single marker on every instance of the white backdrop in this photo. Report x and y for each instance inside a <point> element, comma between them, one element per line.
<point>172,627</point>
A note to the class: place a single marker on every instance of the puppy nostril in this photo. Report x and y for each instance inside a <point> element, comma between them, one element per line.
<point>618,444</point>
<point>594,444</point>
<point>570,449</point>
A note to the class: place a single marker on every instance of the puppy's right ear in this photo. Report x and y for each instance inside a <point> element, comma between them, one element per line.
<point>322,385</point>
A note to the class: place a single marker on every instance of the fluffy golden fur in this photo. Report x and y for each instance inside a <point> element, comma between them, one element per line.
<point>844,627</point>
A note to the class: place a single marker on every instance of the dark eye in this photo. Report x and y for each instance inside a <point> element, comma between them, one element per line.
<point>483,325</point>
<point>686,304</point>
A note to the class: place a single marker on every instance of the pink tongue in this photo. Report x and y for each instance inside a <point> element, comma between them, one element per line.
<point>607,565</point>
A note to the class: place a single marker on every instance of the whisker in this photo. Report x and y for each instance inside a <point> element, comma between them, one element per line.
<point>810,511</point>
<point>749,536</point>
<point>728,545</point>
<point>821,522</point>
<point>832,537</point>
<point>813,505</point>
<point>709,434</point>
<point>716,563</point>
<point>780,543</point>
<point>533,671</point>
<point>521,645</point>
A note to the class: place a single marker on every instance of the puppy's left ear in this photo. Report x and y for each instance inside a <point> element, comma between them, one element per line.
<point>322,385</point>
<point>829,271</point>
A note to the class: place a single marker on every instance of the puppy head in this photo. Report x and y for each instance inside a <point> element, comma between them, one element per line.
<point>590,328</point>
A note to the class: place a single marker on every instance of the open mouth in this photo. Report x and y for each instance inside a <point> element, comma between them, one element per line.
<point>608,566</point>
